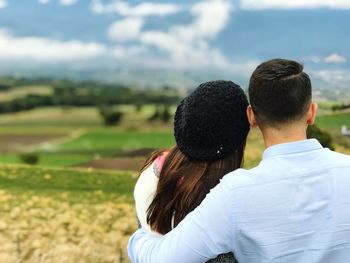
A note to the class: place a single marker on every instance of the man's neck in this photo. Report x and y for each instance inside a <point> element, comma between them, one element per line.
<point>274,136</point>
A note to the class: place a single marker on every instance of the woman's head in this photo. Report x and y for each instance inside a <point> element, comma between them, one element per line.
<point>210,130</point>
<point>211,123</point>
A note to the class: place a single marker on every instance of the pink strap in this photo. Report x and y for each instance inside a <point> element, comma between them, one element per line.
<point>158,163</point>
<point>160,160</point>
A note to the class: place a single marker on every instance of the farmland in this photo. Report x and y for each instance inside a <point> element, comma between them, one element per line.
<point>58,215</point>
<point>74,202</point>
<point>76,136</point>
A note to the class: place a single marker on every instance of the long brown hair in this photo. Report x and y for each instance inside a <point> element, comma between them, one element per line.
<point>183,184</point>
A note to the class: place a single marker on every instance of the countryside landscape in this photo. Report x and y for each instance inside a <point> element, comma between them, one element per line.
<point>67,171</point>
<point>88,89</point>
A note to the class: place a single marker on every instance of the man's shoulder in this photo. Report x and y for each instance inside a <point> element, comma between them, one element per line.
<point>340,158</point>
<point>249,176</point>
<point>272,170</point>
<point>240,178</point>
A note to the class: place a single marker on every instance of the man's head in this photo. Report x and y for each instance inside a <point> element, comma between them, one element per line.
<point>280,94</point>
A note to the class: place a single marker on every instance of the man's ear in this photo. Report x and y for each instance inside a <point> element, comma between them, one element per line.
<point>311,114</point>
<point>251,117</point>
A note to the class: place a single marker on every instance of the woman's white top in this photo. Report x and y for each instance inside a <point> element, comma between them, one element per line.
<point>144,192</point>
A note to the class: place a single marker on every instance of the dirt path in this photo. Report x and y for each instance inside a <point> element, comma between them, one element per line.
<point>21,142</point>
<point>126,161</point>
<point>117,163</point>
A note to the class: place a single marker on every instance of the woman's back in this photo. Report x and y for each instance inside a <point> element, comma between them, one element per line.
<point>210,130</point>
<point>144,192</point>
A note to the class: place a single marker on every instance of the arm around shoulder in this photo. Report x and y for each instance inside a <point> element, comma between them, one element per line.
<point>203,234</point>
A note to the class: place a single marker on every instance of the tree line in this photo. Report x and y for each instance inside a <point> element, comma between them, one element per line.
<point>88,93</point>
<point>340,107</point>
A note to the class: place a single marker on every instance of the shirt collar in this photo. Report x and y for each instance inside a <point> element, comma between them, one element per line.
<point>292,147</point>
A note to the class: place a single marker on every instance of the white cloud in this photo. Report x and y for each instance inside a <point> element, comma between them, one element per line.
<point>333,77</point>
<point>68,2</point>
<point>125,29</point>
<point>294,4</point>
<point>144,9</point>
<point>3,4</point>
<point>182,54</point>
<point>211,18</point>
<point>335,58</point>
<point>187,46</point>
<point>130,52</point>
<point>45,49</point>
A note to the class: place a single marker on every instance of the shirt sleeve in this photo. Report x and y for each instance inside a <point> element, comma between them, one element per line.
<point>203,234</point>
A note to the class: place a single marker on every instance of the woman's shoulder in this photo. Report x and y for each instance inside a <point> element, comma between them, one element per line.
<point>148,179</point>
<point>144,191</point>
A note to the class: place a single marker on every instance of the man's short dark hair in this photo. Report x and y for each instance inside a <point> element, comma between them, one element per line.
<point>279,92</point>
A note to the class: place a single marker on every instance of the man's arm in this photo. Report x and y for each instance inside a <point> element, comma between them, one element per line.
<point>203,234</point>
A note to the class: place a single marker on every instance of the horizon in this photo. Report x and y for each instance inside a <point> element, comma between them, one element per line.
<point>176,42</point>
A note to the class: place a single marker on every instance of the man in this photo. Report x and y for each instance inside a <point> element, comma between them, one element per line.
<point>293,207</point>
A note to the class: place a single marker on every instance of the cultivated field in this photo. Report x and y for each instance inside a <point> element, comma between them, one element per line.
<point>20,92</point>
<point>77,137</point>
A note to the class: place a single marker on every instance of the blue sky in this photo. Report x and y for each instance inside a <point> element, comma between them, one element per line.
<point>201,36</point>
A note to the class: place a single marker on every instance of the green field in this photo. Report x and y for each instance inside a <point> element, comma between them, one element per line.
<point>334,121</point>
<point>119,140</point>
<point>78,182</point>
<point>49,159</point>
<point>85,138</point>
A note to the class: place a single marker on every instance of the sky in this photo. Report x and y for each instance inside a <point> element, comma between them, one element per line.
<point>213,38</point>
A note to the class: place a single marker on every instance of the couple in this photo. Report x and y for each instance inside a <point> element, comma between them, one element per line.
<point>293,207</point>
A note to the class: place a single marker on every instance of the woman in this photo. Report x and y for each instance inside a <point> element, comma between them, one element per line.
<point>210,130</point>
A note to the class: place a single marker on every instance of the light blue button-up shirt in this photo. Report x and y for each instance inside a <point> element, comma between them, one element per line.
<point>293,207</point>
